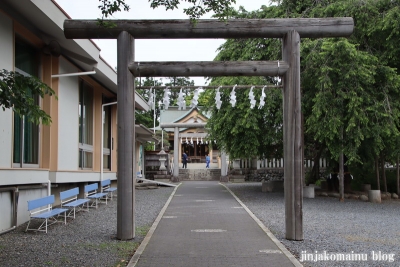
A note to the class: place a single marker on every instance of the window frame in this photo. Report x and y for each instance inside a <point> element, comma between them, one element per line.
<point>107,150</point>
<point>83,147</point>
<point>22,163</point>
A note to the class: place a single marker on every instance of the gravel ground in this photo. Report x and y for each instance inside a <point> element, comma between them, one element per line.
<point>331,226</point>
<point>87,241</point>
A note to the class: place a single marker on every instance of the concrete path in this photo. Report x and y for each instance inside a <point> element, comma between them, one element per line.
<point>204,224</point>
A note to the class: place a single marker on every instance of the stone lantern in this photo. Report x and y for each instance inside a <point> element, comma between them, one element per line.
<point>162,174</point>
<point>162,160</point>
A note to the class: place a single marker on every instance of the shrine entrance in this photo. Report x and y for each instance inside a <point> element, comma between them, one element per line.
<point>195,151</point>
<point>289,30</point>
<point>193,141</point>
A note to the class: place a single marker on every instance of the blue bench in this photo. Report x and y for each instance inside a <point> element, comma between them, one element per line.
<point>106,187</point>
<point>91,193</point>
<point>69,199</point>
<point>41,209</point>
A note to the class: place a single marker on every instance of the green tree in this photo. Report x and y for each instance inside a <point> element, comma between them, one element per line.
<point>163,137</point>
<point>376,33</point>
<point>241,131</point>
<point>147,118</point>
<point>349,106</point>
<point>184,82</point>
<point>196,9</point>
<point>17,92</point>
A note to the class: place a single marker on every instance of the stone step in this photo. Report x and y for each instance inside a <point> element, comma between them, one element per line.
<point>199,174</point>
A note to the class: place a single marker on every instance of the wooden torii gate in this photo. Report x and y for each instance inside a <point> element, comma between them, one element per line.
<point>290,30</point>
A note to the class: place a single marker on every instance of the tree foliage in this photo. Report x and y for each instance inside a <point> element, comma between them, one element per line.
<point>108,8</point>
<point>18,92</point>
<point>240,131</point>
<point>196,8</point>
<point>345,95</point>
<point>243,132</point>
<point>146,118</point>
<point>376,34</point>
<point>162,136</point>
<point>184,82</point>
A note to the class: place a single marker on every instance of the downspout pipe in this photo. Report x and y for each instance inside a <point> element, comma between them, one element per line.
<point>15,197</point>
<point>49,191</point>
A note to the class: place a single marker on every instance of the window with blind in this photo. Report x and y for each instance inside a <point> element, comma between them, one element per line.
<point>26,134</point>
<point>85,126</point>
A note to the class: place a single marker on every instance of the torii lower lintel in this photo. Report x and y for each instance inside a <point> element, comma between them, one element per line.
<point>208,68</point>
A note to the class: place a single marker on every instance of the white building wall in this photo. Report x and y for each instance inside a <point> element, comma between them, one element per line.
<point>76,177</point>
<point>6,62</point>
<point>23,176</point>
<point>6,210</point>
<point>68,118</point>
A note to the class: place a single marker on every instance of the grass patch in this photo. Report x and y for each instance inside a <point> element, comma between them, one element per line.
<point>65,260</point>
<point>123,249</point>
<point>142,231</point>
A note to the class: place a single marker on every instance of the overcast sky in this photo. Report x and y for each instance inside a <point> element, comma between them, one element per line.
<point>156,49</point>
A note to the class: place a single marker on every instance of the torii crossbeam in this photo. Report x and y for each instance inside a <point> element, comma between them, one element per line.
<point>290,30</point>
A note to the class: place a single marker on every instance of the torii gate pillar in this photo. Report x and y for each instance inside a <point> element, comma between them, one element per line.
<point>126,139</point>
<point>176,155</point>
<point>292,138</point>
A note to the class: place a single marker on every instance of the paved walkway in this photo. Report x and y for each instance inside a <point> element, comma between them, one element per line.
<point>203,224</point>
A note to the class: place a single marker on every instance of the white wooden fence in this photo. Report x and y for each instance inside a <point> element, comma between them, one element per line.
<point>274,163</point>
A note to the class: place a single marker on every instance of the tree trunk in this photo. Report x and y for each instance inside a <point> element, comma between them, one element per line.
<point>383,173</point>
<point>398,177</point>
<point>315,170</point>
<point>341,169</point>
<point>378,185</point>
<point>302,141</point>
<point>341,177</point>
